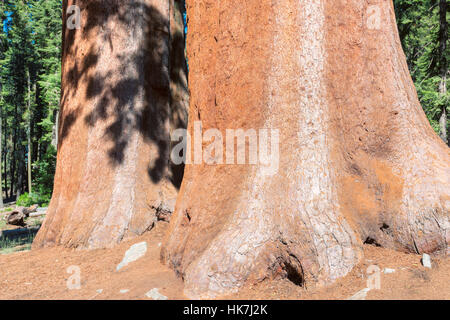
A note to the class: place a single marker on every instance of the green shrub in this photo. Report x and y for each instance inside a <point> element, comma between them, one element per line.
<point>28,199</point>
<point>43,172</point>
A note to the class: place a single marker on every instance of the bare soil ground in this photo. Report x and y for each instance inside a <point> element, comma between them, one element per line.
<point>42,274</point>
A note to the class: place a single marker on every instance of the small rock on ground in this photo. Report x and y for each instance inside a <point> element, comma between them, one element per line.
<point>155,295</point>
<point>426,261</point>
<point>135,252</point>
<point>360,295</point>
<point>388,270</point>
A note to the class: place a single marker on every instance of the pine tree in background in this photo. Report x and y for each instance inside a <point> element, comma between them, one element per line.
<point>48,25</point>
<point>2,55</point>
<point>18,67</point>
<point>423,28</point>
<point>48,46</point>
<point>30,87</point>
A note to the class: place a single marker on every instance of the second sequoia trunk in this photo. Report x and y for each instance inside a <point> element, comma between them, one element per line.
<point>123,89</point>
<point>358,161</point>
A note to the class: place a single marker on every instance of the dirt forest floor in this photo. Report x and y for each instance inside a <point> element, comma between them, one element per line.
<point>42,274</point>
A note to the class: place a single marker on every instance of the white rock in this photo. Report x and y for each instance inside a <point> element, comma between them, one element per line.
<point>155,295</point>
<point>426,261</point>
<point>99,291</point>
<point>388,271</point>
<point>124,291</point>
<point>135,252</point>
<point>360,295</point>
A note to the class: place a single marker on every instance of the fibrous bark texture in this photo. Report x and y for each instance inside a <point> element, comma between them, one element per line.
<point>124,88</point>
<point>358,160</point>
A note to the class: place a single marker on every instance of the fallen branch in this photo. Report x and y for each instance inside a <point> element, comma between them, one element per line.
<point>37,214</point>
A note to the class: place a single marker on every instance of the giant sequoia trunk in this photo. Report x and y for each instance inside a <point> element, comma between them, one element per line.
<point>358,160</point>
<point>123,89</point>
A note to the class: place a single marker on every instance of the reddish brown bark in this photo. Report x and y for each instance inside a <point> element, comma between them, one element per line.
<point>123,89</point>
<point>359,161</point>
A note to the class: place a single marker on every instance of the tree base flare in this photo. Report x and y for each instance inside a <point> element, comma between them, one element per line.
<point>358,161</point>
